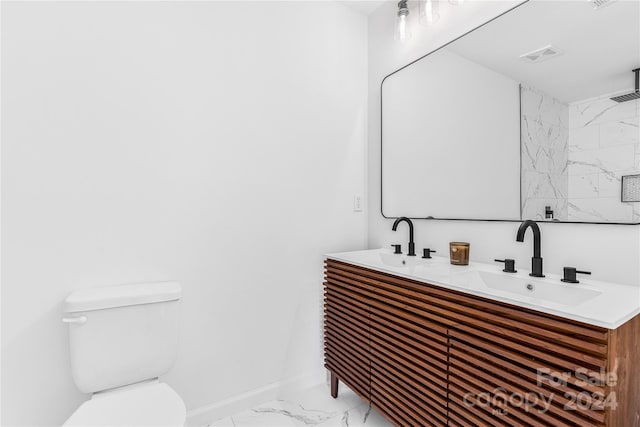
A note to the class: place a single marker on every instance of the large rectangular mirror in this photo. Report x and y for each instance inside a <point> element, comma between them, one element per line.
<point>515,120</point>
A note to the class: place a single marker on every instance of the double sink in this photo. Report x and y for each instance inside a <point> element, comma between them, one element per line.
<point>528,288</point>
<point>594,302</point>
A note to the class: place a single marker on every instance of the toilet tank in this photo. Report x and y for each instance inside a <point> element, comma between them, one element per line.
<point>121,335</point>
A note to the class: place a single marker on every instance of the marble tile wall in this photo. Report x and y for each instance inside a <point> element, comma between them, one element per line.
<point>573,156</point>
<point>603,145</point>
<point>545,133</point>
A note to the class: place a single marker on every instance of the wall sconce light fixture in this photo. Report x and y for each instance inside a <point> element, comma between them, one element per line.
<point>402,28</point>
<point>428,13</point>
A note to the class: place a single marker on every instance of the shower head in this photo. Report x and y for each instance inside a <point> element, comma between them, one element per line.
<point>633,95</point>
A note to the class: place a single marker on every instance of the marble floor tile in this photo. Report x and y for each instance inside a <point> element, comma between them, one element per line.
<point>311,407</point>
<point>360,416</point>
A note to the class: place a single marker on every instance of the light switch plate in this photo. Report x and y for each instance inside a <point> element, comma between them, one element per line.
<point>357,202</point>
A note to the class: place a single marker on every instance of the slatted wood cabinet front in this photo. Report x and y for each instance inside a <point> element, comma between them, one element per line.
<point>427,356</point>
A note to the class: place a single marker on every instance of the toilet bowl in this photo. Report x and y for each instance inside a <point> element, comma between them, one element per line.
<point>122,338</point>
<point>151,403</point>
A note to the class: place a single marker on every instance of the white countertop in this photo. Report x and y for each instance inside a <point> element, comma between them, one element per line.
<point>604,304</point>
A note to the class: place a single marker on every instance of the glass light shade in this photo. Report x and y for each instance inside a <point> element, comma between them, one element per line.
<point>402,32</point>
<point>428,11</point>
<point>402,27</point>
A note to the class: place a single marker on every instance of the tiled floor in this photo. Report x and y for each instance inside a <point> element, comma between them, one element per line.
<point>311,407</point>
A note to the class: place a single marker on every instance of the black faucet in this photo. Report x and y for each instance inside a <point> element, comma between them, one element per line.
<point>536,260</point>
<point>412,246</point>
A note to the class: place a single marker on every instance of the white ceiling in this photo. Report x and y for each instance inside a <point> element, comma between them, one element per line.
<point>363,6</point>
<point>600,47</point>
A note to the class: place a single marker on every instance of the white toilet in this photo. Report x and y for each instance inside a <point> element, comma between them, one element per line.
<point>121,339</point>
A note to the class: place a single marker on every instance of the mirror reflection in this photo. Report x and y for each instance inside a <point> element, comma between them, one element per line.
<point>534,115</point>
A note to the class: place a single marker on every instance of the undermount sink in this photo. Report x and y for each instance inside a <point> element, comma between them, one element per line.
<point>532,289</point>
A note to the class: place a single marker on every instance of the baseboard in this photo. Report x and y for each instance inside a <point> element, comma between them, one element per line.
<point>207,414</point>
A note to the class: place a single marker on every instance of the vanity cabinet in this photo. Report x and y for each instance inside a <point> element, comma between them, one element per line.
<point>346,332</point>
<point>423,355</point>
<point>408,357</point>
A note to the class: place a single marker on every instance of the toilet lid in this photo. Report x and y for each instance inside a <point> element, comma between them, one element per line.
<point>150,404</point>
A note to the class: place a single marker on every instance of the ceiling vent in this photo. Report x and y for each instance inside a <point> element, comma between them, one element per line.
<point>541,54</point>
<point>599,4</point>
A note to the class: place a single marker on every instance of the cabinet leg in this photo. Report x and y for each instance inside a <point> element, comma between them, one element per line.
<point>334,385</point>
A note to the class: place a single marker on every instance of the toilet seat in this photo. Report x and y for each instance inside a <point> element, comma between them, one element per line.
<point>150,403</point>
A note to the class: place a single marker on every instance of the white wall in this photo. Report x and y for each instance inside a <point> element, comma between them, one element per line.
<point>610,251</point>
<point>218,144</point>
<point>467,114</point>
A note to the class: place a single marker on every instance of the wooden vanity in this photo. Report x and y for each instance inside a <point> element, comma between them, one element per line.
<point>424,355</point>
